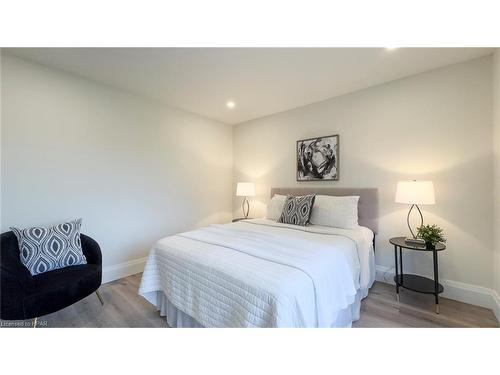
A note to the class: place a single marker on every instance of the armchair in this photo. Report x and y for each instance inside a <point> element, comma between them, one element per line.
<point>24,296</point>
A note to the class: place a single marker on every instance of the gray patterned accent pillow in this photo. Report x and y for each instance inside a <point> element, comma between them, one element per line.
<point>297,210</point>
<point>46,249</point>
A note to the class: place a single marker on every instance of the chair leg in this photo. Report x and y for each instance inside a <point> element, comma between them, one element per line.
<point>100,297</point>
<point>34,322</point>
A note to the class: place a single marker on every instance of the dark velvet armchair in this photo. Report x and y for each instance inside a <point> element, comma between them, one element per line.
<point>25,297</point>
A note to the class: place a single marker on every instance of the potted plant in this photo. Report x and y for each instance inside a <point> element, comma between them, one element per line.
<point>431,234</point>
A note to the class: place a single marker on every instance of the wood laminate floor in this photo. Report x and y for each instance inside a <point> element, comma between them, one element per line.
<point>123,307</point>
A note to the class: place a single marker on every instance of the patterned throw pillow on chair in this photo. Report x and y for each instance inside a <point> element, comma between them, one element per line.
<point>297,210</point>
<point>46,249</point>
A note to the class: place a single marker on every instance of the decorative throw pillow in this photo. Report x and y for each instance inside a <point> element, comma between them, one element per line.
<point>297,210</point>
<point>46,249</point>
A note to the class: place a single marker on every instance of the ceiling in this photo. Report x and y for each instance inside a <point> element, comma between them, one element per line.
<point>260,81</point>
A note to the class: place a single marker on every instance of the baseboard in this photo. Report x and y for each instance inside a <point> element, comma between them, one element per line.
<point>117,271</point>
<point>468,293</point>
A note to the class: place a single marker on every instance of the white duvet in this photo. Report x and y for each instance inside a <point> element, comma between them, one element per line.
<point>259,273</point>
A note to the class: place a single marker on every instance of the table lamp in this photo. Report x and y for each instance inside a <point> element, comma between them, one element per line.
<point>415,193</point>
<point>245,189</point>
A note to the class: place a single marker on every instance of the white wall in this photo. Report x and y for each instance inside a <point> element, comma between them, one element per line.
<point>496,142</point>
<point>133,169</point>
<point>436,126</point>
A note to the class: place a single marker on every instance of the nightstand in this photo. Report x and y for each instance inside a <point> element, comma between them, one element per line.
<point>417,283</point>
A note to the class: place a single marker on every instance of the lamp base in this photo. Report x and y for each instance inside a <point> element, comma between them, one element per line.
<point>245,207</point>
<point>414,241</point>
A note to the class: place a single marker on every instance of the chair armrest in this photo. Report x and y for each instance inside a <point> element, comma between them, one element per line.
<point>23,281</point>
<point>12,296</point>
<point>15,279</point>
<point>10,262</point>
<point>91,250</point>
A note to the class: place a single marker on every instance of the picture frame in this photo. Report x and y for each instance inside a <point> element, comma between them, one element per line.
<point>317,159</point>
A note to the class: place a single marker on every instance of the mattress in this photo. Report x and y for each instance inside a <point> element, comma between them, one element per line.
<point>259,273</point>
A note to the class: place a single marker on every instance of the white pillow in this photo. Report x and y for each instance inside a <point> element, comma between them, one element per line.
<point>275,206</point>
<point>338,212</point>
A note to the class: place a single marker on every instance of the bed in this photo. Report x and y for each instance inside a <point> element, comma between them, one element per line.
<point>260,273</point>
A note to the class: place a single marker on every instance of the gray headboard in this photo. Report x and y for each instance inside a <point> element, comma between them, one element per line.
<point>368,201</point>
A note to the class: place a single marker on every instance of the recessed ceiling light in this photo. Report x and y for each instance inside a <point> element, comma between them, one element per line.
<point>230,104</point>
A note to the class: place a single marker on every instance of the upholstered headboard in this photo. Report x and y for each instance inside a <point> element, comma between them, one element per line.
<point>367,207</point>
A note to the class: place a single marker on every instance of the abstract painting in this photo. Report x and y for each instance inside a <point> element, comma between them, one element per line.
<point>318,159</point>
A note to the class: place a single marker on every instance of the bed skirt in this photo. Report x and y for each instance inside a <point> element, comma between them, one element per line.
<point>175,318</point>
<point>179,319</point>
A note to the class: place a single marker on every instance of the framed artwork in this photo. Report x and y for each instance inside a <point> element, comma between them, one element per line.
<point>318,159</point>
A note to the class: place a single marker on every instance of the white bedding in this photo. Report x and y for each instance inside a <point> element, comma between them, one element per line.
<point>259,273</point>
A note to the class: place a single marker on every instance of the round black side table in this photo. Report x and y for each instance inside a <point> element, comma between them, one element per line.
<point>416,283</point>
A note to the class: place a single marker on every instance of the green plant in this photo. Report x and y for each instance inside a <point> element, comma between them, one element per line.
<point>431,234</point>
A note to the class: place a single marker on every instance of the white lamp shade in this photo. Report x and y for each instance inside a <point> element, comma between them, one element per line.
<point>245,189</point>
<point>415,192</point>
